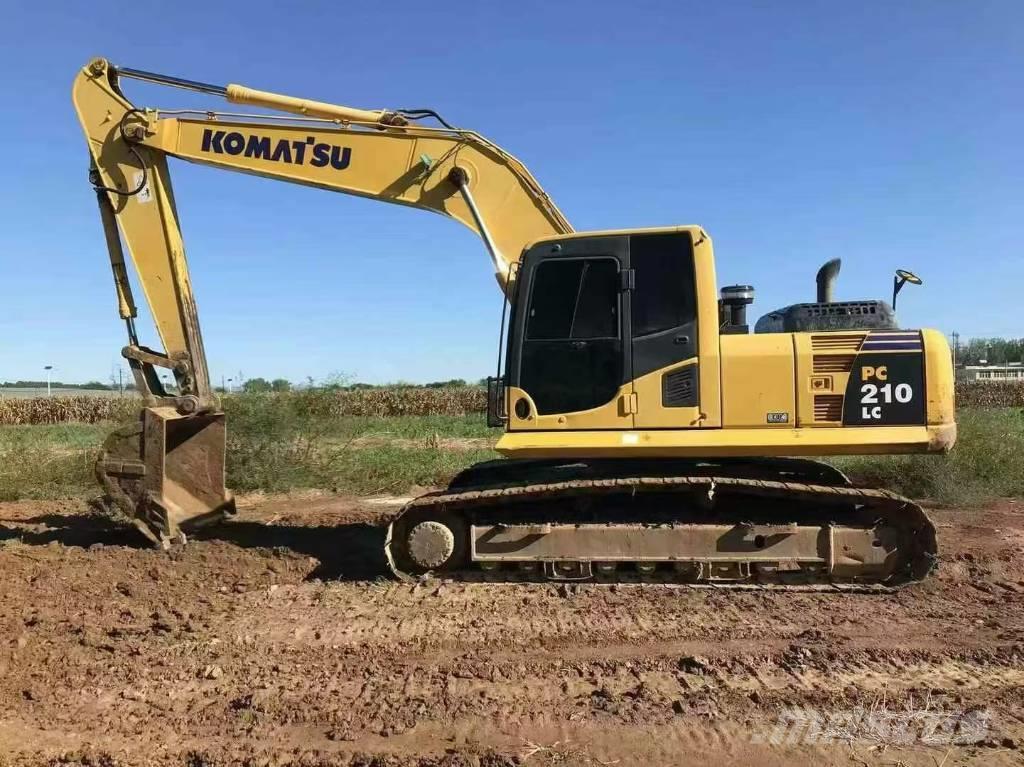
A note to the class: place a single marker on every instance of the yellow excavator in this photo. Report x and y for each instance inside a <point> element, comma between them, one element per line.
<point>648,434</point>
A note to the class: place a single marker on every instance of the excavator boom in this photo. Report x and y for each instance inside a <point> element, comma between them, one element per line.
<point>167,470</point>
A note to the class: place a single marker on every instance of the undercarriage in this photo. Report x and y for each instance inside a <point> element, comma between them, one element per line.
<point>764,523</point>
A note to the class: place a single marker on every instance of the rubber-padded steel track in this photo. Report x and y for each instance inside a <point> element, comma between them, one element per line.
<point>500,493</point>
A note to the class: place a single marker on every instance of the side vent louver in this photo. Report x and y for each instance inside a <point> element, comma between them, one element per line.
<point>837,342</point>
<point>828,407</point>
<point>679,388</point>
<point>833,363</point>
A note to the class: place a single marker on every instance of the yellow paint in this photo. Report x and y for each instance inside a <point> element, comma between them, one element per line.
<point>707,330</point>
<point>650,412</point>
<point>712,443</point>
<point>938,378</point>
<point>239,94</point>
<point>757,379</point>
<point>148,221</point>
<point>614,414</point>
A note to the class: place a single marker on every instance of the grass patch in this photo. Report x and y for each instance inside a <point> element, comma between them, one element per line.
<point>269,415</point>
<point>46,462</point>
<point>276,449</point>
<point>279,444</point>
<point>472,426</point>
<point>364,471</point>
<point>57,437</point>
<point>274,445</point>
<point>987,462</point>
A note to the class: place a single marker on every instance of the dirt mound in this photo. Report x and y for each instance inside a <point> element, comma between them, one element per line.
<point>278,638</point>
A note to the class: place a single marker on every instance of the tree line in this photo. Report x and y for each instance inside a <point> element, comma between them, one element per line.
<point>61,385</point>
<point>258,385</point>
<point>994,351</point>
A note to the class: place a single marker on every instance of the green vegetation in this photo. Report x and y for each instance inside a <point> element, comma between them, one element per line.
<point>987,462</point>
<point>278,444</point>
<point>330,402</point>
<point>91,385</point>
<point>995,351</point>
<point>59,436</point>
<point>47,461</point>
<point>274,445</point>
<point>263,385</point>
<point>281,442</point>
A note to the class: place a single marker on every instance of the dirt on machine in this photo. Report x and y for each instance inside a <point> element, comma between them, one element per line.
<point>648,434</point>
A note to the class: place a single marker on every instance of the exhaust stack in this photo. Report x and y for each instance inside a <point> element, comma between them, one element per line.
<point>827,280</point>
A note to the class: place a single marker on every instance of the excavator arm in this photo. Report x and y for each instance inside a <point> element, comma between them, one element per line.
<point>167,471</point>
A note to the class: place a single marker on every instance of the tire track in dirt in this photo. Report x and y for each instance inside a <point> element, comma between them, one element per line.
<point>284,643</point>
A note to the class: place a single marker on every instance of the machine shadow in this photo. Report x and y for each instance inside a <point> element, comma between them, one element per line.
<point>73,530</point>
<point>346,551</point>
<point>351,551</point>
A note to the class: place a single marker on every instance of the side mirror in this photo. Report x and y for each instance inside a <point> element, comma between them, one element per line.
<point>902,278</point>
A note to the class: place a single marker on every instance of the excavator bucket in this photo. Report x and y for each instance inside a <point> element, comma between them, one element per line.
<point>166,472</point>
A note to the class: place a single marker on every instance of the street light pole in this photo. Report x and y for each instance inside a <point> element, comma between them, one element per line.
<point>48,368</point>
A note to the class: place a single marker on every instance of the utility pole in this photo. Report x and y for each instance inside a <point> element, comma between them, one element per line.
<point>956,347</point>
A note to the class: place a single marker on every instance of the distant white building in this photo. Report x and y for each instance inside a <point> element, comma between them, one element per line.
<point>1013,371</point>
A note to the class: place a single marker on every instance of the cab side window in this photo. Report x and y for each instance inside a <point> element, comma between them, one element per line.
<point>664,301</point>
<point>575,299</point>
<point>665,296</point>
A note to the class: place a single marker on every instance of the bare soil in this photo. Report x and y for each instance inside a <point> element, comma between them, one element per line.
<point>278,638</point>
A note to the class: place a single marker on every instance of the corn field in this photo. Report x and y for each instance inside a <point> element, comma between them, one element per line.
<point>382,402</point>
<point>81,409</point>
<point>996,394</point>
<point>386,401</point>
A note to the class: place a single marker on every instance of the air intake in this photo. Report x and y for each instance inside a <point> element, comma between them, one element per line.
<point>735,300</point>
<point>679,387</point>
<point>837,342</point>
<point>828,408</point>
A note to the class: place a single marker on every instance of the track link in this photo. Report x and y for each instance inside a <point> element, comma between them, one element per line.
<point>718,525</point>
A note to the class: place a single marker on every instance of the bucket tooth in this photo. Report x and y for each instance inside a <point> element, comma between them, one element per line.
<point>166,473</point>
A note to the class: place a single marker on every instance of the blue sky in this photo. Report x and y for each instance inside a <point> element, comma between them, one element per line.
<point>885,133</point>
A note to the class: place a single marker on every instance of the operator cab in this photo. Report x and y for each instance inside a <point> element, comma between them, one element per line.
<point>592,315</point>
<point>606,330</point>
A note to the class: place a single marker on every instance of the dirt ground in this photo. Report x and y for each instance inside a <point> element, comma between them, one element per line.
<point>278,638</point>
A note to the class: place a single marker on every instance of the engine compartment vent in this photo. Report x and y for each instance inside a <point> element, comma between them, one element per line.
<point>679,388</point>
<point>828,408</point>
<point>833,363</point>
<point>835,315</point>
<point>837,342</point>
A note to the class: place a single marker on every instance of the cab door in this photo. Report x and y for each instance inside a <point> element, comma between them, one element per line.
<point>571,368</point>
<point>664,325</point>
